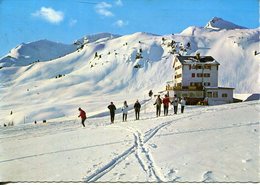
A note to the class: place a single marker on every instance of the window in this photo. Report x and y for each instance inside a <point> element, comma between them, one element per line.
<point>198,67</point>
<point>193,75</point>
<point>206,74</point>
<point>199,74</point>
<point>207,67</point>
<point>209,94</point>
<point>206,83</point>
<point>215,94</point>
<point>178,76</point>
<point>178,67</point>
<point>184,95</point>
<point>224,95</point>
<point>198,84</point>
<point>179,84</point>
<point>191,94</point>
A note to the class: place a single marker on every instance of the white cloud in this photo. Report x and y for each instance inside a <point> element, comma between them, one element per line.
<point>105,12</point>
<point>102,9</point>
<point>49,14</point>
<point>119,3</point>
<point>103,5</point>
<point>72,22</point>
<point>121,23</point>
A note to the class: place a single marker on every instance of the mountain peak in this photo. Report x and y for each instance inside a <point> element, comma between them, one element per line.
<point>217,23</point>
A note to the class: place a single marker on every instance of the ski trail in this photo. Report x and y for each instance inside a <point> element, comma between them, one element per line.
<point>100,172</point>
<point>142,154</point>
<point>144,157</point>
<point>138,143</point>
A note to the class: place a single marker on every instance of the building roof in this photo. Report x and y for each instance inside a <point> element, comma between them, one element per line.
<point>193,60</point>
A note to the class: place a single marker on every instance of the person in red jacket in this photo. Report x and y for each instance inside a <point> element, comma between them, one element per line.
<point>166,102</point>
<point>83,116</point>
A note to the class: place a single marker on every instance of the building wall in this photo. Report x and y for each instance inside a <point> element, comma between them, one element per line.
<point>177,72</point>
<point>187,76</point>
<point>220,99</point>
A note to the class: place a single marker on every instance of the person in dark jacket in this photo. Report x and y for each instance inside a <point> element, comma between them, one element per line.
<point>166,102</point>
<point>183,103</point>
<point>83,116</point>
<point>112,109</point>
<point>158,103</point>
<point>137,107</point>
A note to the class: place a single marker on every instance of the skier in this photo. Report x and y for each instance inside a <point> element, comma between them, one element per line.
<point>112,109</point>
<point>137,107</point>
<point>158,103</point>
<point>166,102</point>
<point>183,103</point>
<point>175,104</point>
<point>82,114</point>
<point>125,110</point>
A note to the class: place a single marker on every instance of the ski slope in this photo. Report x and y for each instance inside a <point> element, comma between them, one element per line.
<point>205,144</point>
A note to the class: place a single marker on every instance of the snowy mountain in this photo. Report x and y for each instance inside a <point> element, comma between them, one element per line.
<point>108,68</point>
<point>219,24</point>
<point>98,36</point>
<point>45,50</point>
<point>42,50</point>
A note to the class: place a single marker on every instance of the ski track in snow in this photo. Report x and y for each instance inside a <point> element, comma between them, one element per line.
<point>142,153</point>
<point>144,156</point>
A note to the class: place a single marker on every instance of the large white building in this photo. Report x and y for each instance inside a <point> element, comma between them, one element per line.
<point>196,78</point>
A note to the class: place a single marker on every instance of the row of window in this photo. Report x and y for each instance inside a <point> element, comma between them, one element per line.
<point>177,76</point>
<point>198,84</point>
<point>200,67</point>
<point>178,67</point>
<point>200,75</point>
<point>215,95</point>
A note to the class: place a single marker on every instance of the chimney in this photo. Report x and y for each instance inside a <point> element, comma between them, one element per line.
<point>197,56</point>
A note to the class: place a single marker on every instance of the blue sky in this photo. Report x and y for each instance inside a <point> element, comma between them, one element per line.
<point>67,20</point>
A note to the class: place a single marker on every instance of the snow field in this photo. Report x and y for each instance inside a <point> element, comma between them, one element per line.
<point>176,148</point>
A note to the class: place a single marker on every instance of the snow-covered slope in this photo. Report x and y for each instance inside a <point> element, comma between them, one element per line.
<point>98,36</point>
<point>107,70</point>
<point>45,50</point>
<point>174,148</point>
<point>42,50</point>
<point>218,24</point>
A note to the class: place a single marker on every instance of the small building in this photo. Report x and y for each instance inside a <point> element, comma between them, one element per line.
<point>196,78</point>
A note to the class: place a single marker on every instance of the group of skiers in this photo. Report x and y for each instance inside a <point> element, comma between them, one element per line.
<point>166,102</point>
<point>125,108</point>
<point>137,106</point>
